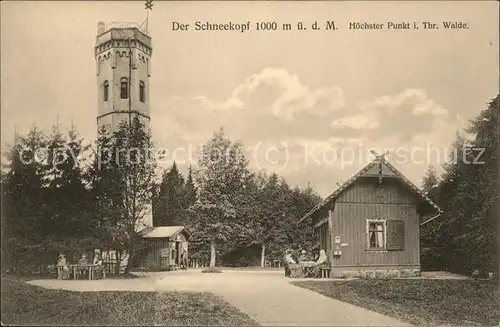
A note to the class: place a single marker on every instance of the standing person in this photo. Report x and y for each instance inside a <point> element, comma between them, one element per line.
<point>98,263</point>
<point>287,260</point>
<point>184,260</point>
<point>320,263</point>
<point>297,253</point>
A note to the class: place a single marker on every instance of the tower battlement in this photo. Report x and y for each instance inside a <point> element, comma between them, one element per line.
<point>121,36</point>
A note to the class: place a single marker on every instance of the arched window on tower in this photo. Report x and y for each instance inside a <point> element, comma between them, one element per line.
<point>142,91</point>
<point>124,88</point>
<point>105,91</point>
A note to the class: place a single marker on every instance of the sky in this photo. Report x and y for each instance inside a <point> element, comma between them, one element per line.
<point>308,105</point>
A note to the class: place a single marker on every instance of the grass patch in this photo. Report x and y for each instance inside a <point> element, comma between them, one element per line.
<point>418,301</point>
<point>212,270</point>
<point>25,304</point>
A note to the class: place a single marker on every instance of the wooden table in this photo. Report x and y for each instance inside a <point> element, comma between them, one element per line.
<point>308,267</point>
<point>77,267</point>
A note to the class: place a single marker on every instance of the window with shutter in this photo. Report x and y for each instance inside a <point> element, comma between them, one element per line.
<point>395,235</point>
<point>376,234</point>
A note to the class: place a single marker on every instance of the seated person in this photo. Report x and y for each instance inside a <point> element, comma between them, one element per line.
<point>303,256</point>
<point>315,253</point>
<point>63,269</point>
<point>83,261</point>
<point>320,263</point>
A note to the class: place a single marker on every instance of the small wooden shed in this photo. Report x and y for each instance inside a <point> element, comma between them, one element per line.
<point>165,245</point>
<point>370,225</point>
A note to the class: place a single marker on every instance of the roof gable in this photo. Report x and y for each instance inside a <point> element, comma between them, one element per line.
<point>378,167</point>
<point>163,231</point>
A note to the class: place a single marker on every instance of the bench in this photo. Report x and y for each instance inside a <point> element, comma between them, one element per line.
<point>325,272</point>
<point>143,269</point>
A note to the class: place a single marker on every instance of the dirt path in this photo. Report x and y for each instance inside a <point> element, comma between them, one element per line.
<point>267,297</point>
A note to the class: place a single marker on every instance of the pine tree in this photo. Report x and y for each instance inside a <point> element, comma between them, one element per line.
<point>190,191</point>
<point>170,209</point>
<point>77,212</point>
<point>430,183</point>
<point>122,181</point>
<point>468,195</point>
<point>23,194</point>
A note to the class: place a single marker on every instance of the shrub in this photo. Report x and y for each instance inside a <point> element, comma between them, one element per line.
<point>213,270</point>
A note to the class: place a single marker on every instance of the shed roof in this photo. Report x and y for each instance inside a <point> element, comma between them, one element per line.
<point>367,171</point>
<point>162,231</point>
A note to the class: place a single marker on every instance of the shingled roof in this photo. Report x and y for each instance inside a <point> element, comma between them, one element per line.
<point>162,231</point>
<point>367,168</point>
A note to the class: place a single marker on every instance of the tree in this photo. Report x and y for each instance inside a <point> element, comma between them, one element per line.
<point>468,194</point>
<point>23,194</point>
<point>220,180</point>
<point>274,211</point>
<point>122,179</point>
<point>272,216</point>
<point>430,183</point>
<point>24,186</point>
<point>170,210</point>
<point>301,202</point>
<point>66,197</point>
<point>190,193</point>
<point>482,183</point>
<point>78,201</point>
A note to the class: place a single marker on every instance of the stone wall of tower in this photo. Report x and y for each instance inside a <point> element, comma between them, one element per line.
<point>122,54</point>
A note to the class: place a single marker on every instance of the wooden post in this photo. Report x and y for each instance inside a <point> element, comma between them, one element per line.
<point>332,237</point>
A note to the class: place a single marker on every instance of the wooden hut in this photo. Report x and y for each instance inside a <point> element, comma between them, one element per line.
<point>165,245</point>
<point>370,226</point>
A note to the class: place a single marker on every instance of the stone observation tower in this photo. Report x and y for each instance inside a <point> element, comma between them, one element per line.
<point>123,55</point>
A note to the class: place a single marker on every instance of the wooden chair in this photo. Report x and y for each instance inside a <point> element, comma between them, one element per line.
<point>296,270</point>
<point>98,272</point>
<point>143,269</point>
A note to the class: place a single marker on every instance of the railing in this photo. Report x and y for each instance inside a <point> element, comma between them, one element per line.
<point>112,25</point>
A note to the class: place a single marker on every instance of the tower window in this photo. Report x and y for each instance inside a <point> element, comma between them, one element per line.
<point>124,88</point>
<point>105,90</point>
<point>142,91</point>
